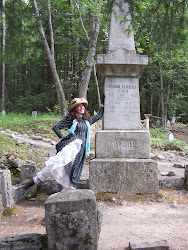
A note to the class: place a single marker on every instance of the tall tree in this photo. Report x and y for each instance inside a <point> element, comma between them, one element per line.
<point>92,40</point>
<point>50,56</point>
<point>160,33</point>
<point>2,87</point>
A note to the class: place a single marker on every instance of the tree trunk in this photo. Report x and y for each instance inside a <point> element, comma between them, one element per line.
<point>167,99</point>
<point>94,32</point>
<point>2,88</point>
<point>59,89</point>
<point>97,84</point>
<point>168,90</point>
<point>162,95</point>
<point>51,29</point>
<point>150,98</point>
<point>158,106</point>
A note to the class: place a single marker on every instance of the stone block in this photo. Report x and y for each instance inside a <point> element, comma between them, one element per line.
<point>118,38</point>
<point>1,207</point>
<point>6,188</point>
<point>121,63</point>
<point>171,182</point>
<point>27,172</point>
<point>186,177</point>
<point>122,144</point>
<point>24,242</point>
<point>51,186</point>
<point>124,176</point>
<point>20,194</point>
<point>122,104</point>
<point>158,245</point>
<point>71,220</point>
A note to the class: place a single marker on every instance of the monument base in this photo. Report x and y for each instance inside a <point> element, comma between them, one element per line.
<point>131,144</point>
<point>124,176</point>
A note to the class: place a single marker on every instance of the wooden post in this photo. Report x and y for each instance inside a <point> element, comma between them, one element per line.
<point>147,116</point>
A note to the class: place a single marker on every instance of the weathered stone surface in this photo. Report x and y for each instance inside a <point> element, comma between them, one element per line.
<point>71,220</point>
<point>135,63</point>
<point>121,63</point>
<point>83,184</point>
<point>120,70</point>
<point>19,193</point>
<point>6,188</point>
<point>124,176</point>
<point>158,245</point>
<point>169,173</point>
<point>186,177</point>
<point>122,103</point>
<point>122,158</point>
<point>121,59</point>
<point>160,157</point>
<point>118,38</point>
<point>171,183</point>
<point>24,242</point>
<point>1,207</point>
<point>178,165</point>
<point>27,172</point>
<point>15,161</point>
<point>51,186</point>
<point>172,173</point>
<point>122,144</point>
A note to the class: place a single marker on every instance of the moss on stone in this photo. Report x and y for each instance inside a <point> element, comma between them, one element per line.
<point>44,241</point>
<point>110,197</point>
<point>88,240</point>
<point>8,211</point>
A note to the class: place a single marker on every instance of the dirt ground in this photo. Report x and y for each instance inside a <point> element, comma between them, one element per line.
<point>134,219</point>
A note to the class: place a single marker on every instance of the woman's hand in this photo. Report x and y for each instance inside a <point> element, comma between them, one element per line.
<point>102,100</point>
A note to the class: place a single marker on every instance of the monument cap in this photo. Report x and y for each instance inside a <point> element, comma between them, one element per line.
<point>77,101</point>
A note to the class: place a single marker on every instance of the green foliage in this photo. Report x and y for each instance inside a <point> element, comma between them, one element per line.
<point>26,124</point>
<point>8,147</point>
<point>55,111</point>
<point>161,33</point>
<point>11,211</point>
<point>23,123</point>
<point>159,139</point>
<point>160,29</point>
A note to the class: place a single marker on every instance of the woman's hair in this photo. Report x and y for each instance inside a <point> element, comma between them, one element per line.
<point>75,115</point>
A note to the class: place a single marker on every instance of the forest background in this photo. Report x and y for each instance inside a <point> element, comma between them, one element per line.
<point>49,49</point>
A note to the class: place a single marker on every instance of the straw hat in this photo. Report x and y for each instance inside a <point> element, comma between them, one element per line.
<point>77,101</point>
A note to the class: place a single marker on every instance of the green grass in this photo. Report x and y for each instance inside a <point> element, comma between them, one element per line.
<point>42,125</point>
<point>10,147</point>
<point>23,123</point>
<point>159,139</point>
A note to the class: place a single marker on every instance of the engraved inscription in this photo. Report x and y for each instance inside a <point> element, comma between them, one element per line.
<point>123,98</point>
<point>125,147</point>
<point>122,103</point>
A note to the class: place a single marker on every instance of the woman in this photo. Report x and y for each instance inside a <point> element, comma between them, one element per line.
<point>66,167</point>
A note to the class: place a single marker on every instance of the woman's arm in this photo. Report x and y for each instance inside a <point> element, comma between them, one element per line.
<point>95,118</point>
<point>66,122</point>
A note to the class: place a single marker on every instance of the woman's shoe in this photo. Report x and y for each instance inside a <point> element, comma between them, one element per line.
<point>28,184</point>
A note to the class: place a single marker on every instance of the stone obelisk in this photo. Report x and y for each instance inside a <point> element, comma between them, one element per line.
<point>122,163</point>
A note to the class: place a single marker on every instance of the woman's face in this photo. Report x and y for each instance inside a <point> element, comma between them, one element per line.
<point>80,108</point>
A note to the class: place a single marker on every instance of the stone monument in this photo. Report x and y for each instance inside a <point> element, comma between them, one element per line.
<point>122,161</point>
<point>72,220</point>
<point>6,188</point>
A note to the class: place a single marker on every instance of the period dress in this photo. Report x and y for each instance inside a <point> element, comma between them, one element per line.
<point>66,167</point>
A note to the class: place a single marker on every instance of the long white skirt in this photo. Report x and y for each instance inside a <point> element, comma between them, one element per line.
<point>55,165</point>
